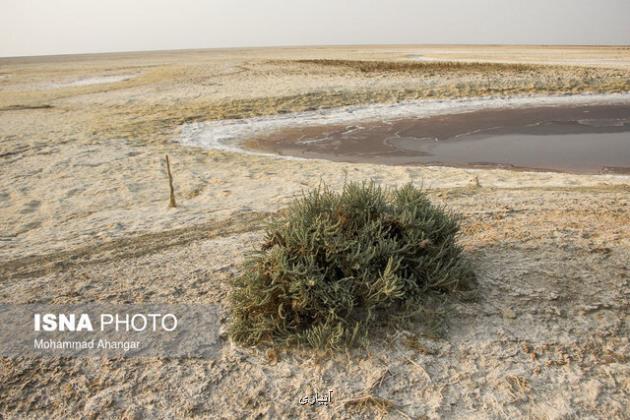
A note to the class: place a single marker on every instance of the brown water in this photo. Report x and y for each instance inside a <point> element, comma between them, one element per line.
<point>589,139</point>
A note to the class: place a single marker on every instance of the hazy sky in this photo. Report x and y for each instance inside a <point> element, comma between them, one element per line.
<point>33,27</point>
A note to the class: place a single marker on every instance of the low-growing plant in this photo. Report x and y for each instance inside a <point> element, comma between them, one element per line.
<point>335,264</point>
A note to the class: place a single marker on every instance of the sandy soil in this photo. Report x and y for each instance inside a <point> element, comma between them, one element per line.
<point>84,217</point>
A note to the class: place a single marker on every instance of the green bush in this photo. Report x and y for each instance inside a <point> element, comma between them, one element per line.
<point>336,264</point>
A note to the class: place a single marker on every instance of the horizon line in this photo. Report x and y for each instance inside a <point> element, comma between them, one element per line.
<point>171,50</point>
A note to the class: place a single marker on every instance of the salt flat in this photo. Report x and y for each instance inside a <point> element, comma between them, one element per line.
<point>83,216</point>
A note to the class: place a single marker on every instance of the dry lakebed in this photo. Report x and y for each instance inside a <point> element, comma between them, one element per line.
<point>84,217</point>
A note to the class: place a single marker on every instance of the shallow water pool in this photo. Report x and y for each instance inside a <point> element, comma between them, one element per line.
<point>588,139</point>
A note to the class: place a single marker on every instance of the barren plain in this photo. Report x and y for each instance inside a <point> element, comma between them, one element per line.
<point>84,217</point>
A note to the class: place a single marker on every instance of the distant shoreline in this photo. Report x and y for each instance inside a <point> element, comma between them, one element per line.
<point>231,135</point>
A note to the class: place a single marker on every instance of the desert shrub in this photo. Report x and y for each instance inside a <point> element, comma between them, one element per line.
<point>335,264</point>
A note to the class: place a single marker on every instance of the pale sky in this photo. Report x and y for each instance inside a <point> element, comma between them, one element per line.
<point>36,27</point>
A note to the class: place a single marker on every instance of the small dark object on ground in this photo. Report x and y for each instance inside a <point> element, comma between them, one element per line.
<point>171,198</point>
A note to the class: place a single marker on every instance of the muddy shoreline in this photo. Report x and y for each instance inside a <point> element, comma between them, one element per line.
<point>578,139</point>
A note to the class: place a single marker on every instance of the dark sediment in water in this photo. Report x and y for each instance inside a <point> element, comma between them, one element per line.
<point>588,139</point>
